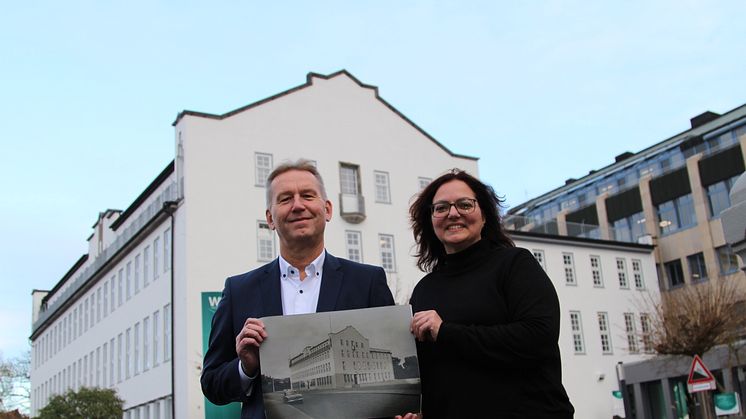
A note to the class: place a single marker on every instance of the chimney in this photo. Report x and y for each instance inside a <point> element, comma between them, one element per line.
<point>703,118</point>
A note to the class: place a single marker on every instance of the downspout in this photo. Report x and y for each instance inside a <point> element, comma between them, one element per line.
<point>170,207</point>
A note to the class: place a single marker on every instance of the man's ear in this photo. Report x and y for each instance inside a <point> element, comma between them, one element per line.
<point>268,216</point>
<point>328,210</point>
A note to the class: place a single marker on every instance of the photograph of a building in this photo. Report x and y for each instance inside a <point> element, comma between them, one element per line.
<point>344,359</point>
<point>126,314</point>
<point>339,364</point>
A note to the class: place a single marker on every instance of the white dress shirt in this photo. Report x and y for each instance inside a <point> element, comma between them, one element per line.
<point>298,297</point>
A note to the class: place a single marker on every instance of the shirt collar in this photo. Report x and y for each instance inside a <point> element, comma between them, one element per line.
<point>315,268</point>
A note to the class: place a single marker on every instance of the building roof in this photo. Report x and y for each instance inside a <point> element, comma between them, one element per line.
<point>308,83</point>
<point>580,241</point>
<point>702,124</point>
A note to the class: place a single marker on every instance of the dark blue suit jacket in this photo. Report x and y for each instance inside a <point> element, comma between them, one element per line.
<point>345,285</point>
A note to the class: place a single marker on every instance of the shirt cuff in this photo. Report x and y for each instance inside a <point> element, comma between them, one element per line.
<point>247,383</point>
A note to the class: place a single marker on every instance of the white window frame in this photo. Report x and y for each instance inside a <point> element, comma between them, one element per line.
<point>349,179</point>
<point>383,187</point>
<point>568,262</point>
<point>621,269</point>
<point>265,240</point>
<point>576,325</point>
<point>388,257</point>
<point>262,168</point>
<point>596,272</point>
<point>354,245</point>
<point>637,274</point>
<point>145,344</point>
<point>167,250</point>
<point>646,335</point>
<point>605,333</point>
<point>422,182</point>
<point>540,257</point>
<point>631,332</point>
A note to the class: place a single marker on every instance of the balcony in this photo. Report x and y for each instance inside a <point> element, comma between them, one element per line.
<point>352,208</point>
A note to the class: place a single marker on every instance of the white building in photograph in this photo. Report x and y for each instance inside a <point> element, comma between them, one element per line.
<point>132,314</point>
<point>344,359</point>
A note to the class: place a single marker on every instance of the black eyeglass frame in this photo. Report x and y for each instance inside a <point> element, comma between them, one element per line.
<point>454,204</point>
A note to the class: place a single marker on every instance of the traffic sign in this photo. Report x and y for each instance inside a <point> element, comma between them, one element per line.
<point>700,378</point>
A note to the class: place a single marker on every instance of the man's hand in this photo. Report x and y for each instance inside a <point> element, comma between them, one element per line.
<point>426,325</point>
<point>247,345</point>
<point>409,416</point>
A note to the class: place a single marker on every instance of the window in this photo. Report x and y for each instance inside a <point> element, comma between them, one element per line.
<point>156,338</point>
<point>354,245</point>
<point>128,354</point>
<point>630,229</point>
<point>263,165</point>
<point>539,256</point>
<point>388,260</point>
<point>167,250</point>
<point>697,268</point>
<point>167,332</point>
<point>676,214</point>
<point>136,360</point>
<point>111,362</point>
<point>423,182</point>
<point>727,260</point>
<point>349,179</point>
<point>637,274</point>
<point>113,292</point>
<point>718,197</point>
<point>598,280</point>
<point>98,304</point>
<point>120,288</point>
<point>129,280</point>
<point>567,261</point>
<point>647,337</point>
<point>265,242</point>
<point>156,256</point>
<point>631,331</point>
<point>137,273</point>
<point>675,273</point>
<point>106,298</point>
<point>146,266</point>
<point>603,330</point>
<point>383,193</point>
<point>145,344</point>
<point>577,332</point>
<point>621,269</point>
<point>85,314</point>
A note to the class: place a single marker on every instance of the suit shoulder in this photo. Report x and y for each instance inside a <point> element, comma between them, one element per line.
<point>352,265</point>
<point>252,275</point>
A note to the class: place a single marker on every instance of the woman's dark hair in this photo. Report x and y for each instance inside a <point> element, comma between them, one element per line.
<point>430,251</point>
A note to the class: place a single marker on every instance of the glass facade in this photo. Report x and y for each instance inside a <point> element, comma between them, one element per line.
<point>630,229</point>
<point>718,196</point>
<point>676,214</point>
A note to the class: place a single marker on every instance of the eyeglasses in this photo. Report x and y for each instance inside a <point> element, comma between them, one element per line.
<point>464,206</point>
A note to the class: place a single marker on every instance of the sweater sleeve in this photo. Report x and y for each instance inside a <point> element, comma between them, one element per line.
<point>532,330</point>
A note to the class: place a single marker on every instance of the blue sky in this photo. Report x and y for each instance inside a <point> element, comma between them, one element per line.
<point>541,91</point>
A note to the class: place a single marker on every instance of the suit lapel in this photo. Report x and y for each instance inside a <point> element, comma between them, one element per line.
<point>271,291</point>
<point>331,284</point>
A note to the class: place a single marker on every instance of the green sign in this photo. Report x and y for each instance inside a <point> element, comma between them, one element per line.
<point>209,305</point>
<point>726,404</point>
<point>617,394</point>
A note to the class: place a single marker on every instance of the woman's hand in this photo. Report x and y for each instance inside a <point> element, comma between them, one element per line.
<point>426,325</point>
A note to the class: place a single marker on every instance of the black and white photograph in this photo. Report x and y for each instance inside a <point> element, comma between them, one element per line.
<point>342,364</point>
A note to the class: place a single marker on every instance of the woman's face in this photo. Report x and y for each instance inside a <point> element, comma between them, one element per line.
<point>455,230</point>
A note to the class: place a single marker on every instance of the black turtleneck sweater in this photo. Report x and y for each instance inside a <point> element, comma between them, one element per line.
<point>496,354</point>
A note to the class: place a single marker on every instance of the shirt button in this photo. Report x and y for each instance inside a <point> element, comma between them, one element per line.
<point>301,291</point>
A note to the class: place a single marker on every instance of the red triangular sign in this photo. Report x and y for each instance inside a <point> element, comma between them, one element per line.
<point>699,373</point>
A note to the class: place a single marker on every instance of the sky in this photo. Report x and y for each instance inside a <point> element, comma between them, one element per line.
<point>540,91</point>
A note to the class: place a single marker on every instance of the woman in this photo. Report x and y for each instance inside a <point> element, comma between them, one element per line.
<point>486,316</point>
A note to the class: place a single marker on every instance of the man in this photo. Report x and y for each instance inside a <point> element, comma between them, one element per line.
<point>303,279</point>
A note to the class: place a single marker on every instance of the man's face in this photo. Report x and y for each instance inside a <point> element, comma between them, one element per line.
<point>298,211</point>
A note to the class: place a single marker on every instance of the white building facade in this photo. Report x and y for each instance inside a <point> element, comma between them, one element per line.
<point>130,314</point>
<point>131,306</point>
<point>604,288</point>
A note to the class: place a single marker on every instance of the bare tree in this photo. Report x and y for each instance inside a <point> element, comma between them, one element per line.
<point>692,320</point>
<point>15,383</point>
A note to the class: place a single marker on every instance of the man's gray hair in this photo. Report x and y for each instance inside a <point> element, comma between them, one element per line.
<point>304,165</point>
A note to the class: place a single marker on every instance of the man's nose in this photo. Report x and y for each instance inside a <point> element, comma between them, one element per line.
<point>298,203</point>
